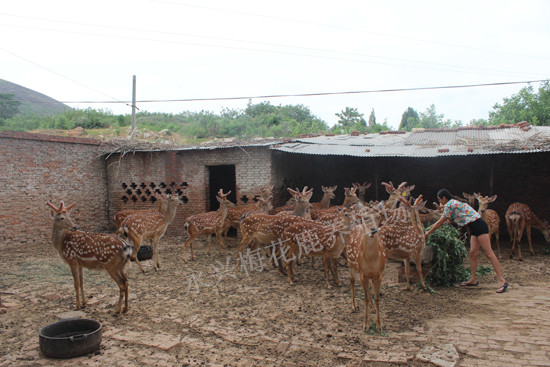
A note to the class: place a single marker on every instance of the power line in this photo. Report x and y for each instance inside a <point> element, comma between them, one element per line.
<point>268,96</point>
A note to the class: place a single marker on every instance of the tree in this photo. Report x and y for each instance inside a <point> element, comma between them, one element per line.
<point>8,106</point>
<point>372,118</point>
<point>431,119</point>
<point>409,120</point>
<point>351,117</point>
<point>524,106</point>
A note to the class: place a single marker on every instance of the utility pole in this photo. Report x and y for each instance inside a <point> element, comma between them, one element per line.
<point>133,131</point>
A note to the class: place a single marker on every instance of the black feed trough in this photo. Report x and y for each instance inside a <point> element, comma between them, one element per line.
<point>145,253</point>
<point>69,338</point>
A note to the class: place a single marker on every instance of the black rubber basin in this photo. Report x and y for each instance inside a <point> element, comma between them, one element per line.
<point>69,338</point>
<point>145,253</point>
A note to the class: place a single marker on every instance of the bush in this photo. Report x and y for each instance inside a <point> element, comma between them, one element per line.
<point>449,254</point>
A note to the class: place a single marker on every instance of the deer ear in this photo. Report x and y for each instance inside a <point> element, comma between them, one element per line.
<point>367,184</point>
<point>492,198</point>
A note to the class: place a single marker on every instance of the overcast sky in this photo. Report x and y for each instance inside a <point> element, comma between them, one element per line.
<point>77,51</point>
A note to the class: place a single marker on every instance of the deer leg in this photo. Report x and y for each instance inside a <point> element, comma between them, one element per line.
<point>418,261</point>
<point>137,245</point>
<point>188,243</point>
<point>497,240</point>
<point>156,253</point>
<point>528,230</point>
<point>81,281</point>
<point>76,280</point>
<point>352,287</point>
<point>122,283</point>
<point>334,270</point>
<point>520,234</point>
<point>220,242</point>
<point>376,285</point>
<point>407,268</point>
<point>366,291</point>
<point>289,272</point>
<point>326,265</point>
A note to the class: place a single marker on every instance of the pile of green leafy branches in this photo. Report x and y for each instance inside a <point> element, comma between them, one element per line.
<point>449,254</point>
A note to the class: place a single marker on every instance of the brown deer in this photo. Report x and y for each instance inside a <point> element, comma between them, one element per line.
<point>520,217</point>
<point>430,215</point>
<point>90,250</point>
<point>367,256</point>
<point>258,227</point>
<point>331,215</point>
<point>490,216</point>
<point>327,241</point>
<point>361,189</point>
<point>236,213</point>
<point>150,226</point>
<point>402,191</point>
<point>403,242</point>
<point>123,214</point>
<point>470,198</point>
<point>207,224</point>
<point>328,195</point>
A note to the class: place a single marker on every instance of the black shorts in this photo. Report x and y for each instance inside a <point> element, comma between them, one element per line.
<point>478,227</point>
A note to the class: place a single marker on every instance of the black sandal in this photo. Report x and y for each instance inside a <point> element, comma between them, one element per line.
<point>503,288</point>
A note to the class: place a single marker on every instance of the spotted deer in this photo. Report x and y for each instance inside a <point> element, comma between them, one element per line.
<point>328,195</point>
<point>207,224</point>
<point>235,213</point>
<point>89,250</point>
<point>258,227</point>
<point>430,215</point>
<point>406,241</point>
<point>123,214</point>
<point>331,215</point>
<point>150,226</point>
<point>367,256</point>
<point>313,239</point>
<point>361,189</point>
<point>402,191</point>
<point>520,217</point>
<point>490,216</point>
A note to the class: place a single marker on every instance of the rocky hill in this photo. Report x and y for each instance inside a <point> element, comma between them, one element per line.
<point>32,101</point>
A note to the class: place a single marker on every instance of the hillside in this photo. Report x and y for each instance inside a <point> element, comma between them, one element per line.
<point>31,101</point>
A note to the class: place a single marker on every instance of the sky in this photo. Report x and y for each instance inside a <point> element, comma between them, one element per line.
<point>212,55</point>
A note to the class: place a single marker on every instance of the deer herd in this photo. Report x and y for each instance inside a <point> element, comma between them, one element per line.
<point>366,234</point>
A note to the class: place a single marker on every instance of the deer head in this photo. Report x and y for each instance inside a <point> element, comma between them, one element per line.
<point>61,216</point>
<point>484,201</point>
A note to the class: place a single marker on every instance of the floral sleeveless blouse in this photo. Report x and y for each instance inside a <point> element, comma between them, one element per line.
<point>461,213</point>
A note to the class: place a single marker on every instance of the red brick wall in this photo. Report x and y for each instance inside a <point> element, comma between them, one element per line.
<point>39,168</point>
<point>174,168</point>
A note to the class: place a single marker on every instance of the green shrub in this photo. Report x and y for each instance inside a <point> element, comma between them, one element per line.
<point>449,254</point>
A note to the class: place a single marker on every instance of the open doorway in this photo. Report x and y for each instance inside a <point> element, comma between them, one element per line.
<point>222,177</point>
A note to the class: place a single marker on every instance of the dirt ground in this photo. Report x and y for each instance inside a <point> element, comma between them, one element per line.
<point>206,312</point>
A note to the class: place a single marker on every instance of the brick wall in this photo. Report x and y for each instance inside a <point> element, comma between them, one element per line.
<point>39,168</point>
<point>185,170</point>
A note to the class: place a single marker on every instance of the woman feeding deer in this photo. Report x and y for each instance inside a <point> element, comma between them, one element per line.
<point>464,215</point>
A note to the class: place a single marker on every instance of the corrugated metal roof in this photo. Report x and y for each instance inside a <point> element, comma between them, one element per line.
<point>428,143</point>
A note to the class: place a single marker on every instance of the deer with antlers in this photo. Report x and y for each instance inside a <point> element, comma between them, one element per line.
<point>150,226</point>
<point>403,242</point>
<point>235,213</point>
<point>328,195</point>
<point>520,217</point>
<point>402,191</point>
<point>361,189</point>
<point>314,239</point>
<point>89,250</point>
<point>367,256</point>
<point>490,216</point>
<point>207,224</point>
<point>258,227</point>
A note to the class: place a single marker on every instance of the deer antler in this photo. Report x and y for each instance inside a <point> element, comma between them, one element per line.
<point>222,195</point>
<point>306,192</point>
<point>62,207</point>
<point>401,185</point>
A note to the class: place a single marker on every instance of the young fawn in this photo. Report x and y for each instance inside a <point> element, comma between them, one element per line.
<point>89,250</point>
